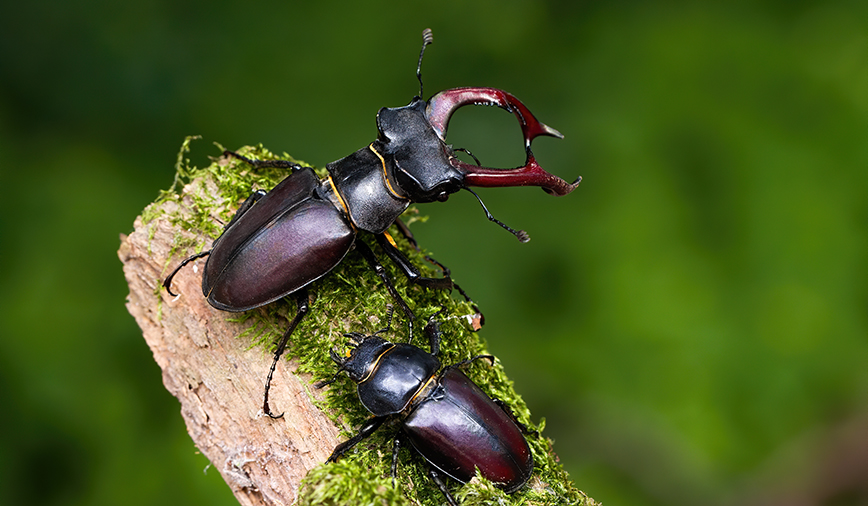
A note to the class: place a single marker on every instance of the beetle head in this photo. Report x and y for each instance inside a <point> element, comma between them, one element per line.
<point>363,353</point>
<point>418,160</point>
<point>424,168</point>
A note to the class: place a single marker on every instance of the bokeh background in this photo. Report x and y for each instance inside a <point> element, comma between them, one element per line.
<point>691,322</point>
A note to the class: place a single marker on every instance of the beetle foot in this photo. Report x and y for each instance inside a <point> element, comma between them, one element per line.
<point>267,411</point>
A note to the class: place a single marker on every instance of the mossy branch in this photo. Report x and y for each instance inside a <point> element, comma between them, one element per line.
<point>215,362</point>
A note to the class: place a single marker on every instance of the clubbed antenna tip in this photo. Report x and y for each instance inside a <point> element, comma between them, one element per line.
<point>521,235</point>
<point>427,38</point>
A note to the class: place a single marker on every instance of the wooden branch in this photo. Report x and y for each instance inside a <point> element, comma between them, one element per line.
<point>218,376</point>
<point>219,380</point>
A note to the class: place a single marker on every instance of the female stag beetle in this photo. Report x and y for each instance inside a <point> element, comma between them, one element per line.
<point>281,241</point>
<point>446,417</point>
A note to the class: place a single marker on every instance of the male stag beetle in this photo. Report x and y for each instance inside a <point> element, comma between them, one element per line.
<point>281,241</point>
<point>446,417</point>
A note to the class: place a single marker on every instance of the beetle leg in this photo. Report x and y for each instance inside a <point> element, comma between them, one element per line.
<point>279,164</point>
<point>470,360</point>
<point>441,485</point>
<point>167,283</point>
<point>366,430</point>
<point>325,383</point>
<point>390,310</point>
<point>405,231</point>
<point>381,272</point>
<point>432,330</point>
<point>303,307</point>
<point>410,270</point>
<point>396,446</point>
<point>245,206</point>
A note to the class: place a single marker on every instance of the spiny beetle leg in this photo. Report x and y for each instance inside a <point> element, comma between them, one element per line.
<point>381,272</point>
<point>432,330</point>
<point>167,283</point>
<point>368,428</point>
<point>435,477</point>
<point>390,312</point>
<point>410,270</point>
<point>396,447</point>
<point>405,231</point>
<point>278,164</point>
<point>303,307</point>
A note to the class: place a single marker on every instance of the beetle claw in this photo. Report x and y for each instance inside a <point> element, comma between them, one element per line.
<point>442,105</point>
<point>440,109</point>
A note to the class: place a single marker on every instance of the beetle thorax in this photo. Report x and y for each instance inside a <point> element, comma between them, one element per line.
<point>362,189</point>
<point>398,376</point>
<point>417,159</point>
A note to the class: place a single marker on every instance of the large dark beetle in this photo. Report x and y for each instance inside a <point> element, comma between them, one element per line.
<point>280,241</point>
<point>446,417</point>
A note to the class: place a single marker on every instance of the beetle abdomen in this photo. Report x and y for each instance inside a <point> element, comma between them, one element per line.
<point>289,252</point>
<point>460,429</point>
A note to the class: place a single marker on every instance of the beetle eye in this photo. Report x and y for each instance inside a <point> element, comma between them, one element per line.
<point>443,197</point>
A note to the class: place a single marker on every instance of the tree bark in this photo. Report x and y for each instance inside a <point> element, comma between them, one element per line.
<point>218,379</point>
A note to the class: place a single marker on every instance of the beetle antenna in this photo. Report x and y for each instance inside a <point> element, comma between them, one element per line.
<point>325,383</point>
<point>390,309</point>
<point>336,358</point>
<point>521,235</point>
<point>427,38</point>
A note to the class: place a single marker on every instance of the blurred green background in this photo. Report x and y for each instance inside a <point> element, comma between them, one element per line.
<point>691,322</point>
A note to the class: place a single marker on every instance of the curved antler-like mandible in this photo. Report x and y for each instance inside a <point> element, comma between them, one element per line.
<point>441,107</point>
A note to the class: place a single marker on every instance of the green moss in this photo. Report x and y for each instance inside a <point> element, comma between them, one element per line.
<point>345,482</point>
<point>352,298</point>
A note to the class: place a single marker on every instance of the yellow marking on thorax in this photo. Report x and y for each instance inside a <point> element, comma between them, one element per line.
<point>385,176</point>
<point>375,364</point>
<point>339,196</point>
<point>422,389</point>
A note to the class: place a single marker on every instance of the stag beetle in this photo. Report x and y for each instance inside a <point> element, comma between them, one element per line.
<point>281,241</point>
<point>446,417</point>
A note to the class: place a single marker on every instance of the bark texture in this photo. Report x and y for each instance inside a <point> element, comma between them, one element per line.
<point>219,381</point>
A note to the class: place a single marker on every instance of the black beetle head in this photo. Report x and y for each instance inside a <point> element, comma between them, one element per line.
<point>363,353</point>
<point>425,168</point>
<point>417,159</point>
